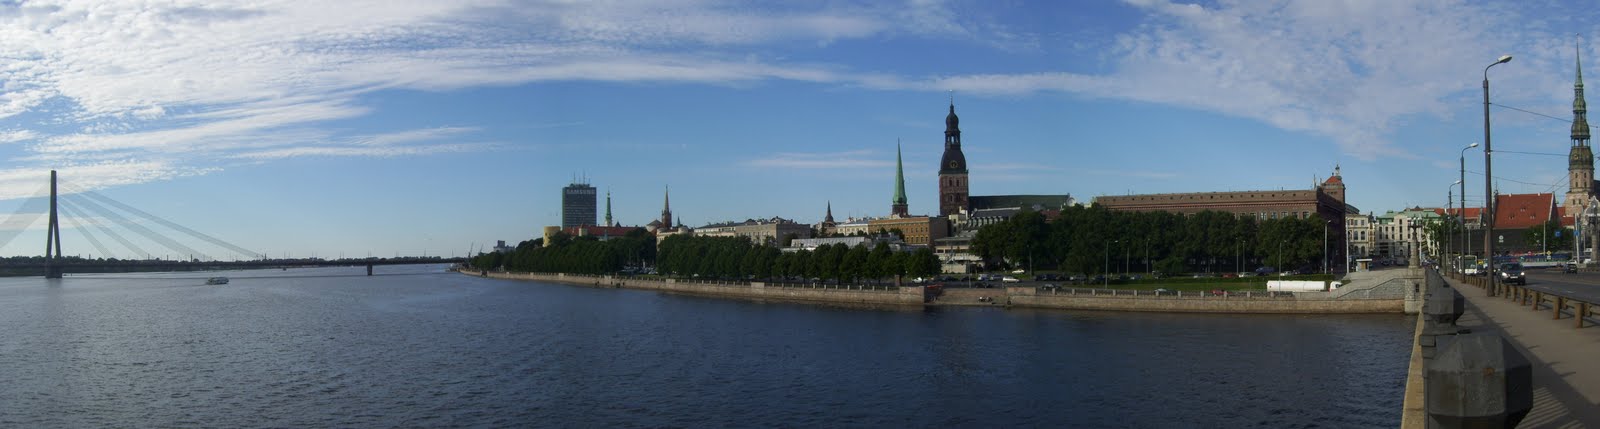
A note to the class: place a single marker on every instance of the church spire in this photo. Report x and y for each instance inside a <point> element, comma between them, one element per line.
<point>829,217</point>
<point>1580,120</point>
<point>608,208</point>
<point>898,206</point>
<point>666,208</point>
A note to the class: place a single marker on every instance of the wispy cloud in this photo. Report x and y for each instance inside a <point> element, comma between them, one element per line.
<point>193,85</point>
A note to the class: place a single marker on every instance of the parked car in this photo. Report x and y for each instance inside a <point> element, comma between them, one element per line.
<point>1009,279</point>
<point>1218,292</point>
<point>1162,291</point>
<point>1512,273</point>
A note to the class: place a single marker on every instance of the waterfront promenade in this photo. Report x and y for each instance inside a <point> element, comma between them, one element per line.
<point>1565,359</point>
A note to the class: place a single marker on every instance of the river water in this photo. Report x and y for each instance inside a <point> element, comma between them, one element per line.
<point>416,347</point>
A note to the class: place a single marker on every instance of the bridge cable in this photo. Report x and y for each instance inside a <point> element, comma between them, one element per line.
<point>169,243</point>
<point>169,224</point>
<point>137,251</point>
<point>25,216</point>
<point>82,227</point>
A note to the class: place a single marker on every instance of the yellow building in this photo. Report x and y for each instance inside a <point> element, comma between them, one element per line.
<point>918,230</point>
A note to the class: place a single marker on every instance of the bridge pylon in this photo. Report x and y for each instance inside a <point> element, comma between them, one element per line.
<point>52,240</point>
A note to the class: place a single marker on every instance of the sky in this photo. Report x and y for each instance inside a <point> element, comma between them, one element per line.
<point>396,127</point>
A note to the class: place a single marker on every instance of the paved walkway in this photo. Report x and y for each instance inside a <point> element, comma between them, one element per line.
<point>1566,360</point>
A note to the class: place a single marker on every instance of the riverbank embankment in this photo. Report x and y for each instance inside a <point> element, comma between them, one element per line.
<point>1028,297</point>
<point>830,294</point>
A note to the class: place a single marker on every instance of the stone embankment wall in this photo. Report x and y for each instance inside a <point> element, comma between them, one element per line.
<point>912,296</point>
<point>1197,303</point>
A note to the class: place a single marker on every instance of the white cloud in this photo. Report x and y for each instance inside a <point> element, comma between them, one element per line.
<point>1349,71</point>
<point>13,136</point>
<point>193,83</point>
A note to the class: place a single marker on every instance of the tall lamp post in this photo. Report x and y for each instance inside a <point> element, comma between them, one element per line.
<point>1466,244</point>
<point>1488,177</point>
<point>1450,235</point>
<point>1280,256</point>
<point>1239,251</point>
<point>1106,279</point>
<point>1325,224</point>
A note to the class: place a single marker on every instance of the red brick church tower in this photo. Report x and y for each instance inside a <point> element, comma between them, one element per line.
<point>952,168</point>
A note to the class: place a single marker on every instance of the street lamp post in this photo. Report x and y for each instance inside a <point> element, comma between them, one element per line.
<point>1325,224</point>
<point>1106,278</point>
<point>1488,177</point>
<point>1280,256</point>
<point>1450,236</point>
<point>1466,244</point>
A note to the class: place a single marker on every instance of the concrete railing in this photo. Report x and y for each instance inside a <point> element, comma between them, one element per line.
<point>1468,379</point>
<point>1537,300</point>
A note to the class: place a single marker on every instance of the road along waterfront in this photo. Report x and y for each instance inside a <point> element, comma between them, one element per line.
<point>334,348</point>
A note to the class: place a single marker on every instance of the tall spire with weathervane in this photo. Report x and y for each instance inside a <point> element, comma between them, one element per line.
<point>1580,159</point>
<point>898,206</point>
<point>666,208</point>
<point>608,208</point>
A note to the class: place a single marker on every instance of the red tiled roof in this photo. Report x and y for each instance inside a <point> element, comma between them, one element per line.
<point>1517,211</point>
<point>1471,212</point>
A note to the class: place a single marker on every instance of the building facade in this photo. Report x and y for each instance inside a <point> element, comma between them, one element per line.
<point>1325,201</point>
<point>916,230</point>
<point>577,205</point>
<point>759,231</point>
<point>1359,235</point>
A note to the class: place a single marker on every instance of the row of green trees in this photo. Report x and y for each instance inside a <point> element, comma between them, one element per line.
<point>715,257</point>
<point>736,257</point>
<point>567,254</point>
<point>1094,240</point>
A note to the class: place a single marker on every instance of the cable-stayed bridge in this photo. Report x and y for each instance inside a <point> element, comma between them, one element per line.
<point>124,236</point>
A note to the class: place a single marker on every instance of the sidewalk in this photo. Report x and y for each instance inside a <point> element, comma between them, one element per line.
<point>1566,360</point>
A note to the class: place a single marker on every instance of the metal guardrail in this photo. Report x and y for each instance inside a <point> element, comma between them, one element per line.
<point>1226,294</point>
<point>1558,305</point>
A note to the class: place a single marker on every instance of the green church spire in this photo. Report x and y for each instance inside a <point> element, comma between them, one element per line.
<point>899,177</point>
<point>898,209</point>
<point>1580,120</point>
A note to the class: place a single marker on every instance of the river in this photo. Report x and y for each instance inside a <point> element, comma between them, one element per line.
<point>417,347</point>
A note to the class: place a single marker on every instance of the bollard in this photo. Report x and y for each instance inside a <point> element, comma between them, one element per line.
<point>1478,381</point>
<point>1440,310</point>
<point>1582,310</point>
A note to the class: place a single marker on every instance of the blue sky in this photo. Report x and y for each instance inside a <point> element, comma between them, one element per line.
<point>402,127</point>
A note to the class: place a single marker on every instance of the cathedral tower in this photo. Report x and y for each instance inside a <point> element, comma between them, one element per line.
<point>1580,161</point>
<point>952,167</point>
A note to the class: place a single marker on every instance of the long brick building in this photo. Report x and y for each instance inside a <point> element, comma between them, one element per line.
<point>1325,201</point>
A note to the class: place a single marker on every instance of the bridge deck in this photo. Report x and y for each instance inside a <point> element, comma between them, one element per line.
<point>1566,359</point>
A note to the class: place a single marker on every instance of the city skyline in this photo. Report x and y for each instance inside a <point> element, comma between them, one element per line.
<point>401,127</point>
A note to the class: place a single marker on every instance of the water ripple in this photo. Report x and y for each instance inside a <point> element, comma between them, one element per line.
<point>455,351</point>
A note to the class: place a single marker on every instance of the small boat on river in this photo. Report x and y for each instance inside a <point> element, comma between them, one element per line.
<point>217,281</point>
